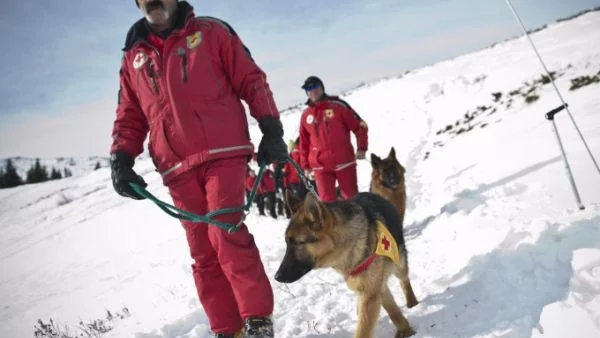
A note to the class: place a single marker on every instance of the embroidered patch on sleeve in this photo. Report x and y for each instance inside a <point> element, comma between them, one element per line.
<point>139,60</point>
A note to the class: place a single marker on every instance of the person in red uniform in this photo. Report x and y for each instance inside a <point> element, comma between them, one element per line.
<point>182,79</point>
<point>325,147</point>
<point>250,179</point>
<point>267,192</point>
<point>291,178</point>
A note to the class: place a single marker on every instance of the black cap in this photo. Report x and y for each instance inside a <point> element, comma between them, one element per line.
<point>312,80</point>
<point>137,4</point>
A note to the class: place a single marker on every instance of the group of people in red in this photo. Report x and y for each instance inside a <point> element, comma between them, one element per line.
<point>182,79</point>
<point>276,179</point>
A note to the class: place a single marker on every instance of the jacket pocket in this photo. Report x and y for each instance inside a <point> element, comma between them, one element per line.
<point>163,155</point>
<point>321,159</point>
<point>200,74</point>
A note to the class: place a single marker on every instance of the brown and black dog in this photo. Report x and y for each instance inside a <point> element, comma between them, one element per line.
<point>362,239</point>
<point>387,180</point>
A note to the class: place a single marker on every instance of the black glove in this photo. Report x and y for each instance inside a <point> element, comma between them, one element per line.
<point>121,165</point>
<point>272,147</point>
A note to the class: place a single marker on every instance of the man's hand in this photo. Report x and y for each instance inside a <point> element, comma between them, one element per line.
<point>272,147</point>
<point>361,154</point>
<point>122,173</point>
<point>309,174</point>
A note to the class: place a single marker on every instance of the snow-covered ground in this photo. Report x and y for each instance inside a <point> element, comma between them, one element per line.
<point>497,246</point>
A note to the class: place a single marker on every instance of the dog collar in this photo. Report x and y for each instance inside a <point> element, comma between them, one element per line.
<point>386,246</point>
<point>363,266</point>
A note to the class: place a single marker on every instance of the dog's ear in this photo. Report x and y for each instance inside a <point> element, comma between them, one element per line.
<point>314,208</point>
<point>392,153</point>
<point>402,169</point>
<point>375,161</point>
<point>292,201</point>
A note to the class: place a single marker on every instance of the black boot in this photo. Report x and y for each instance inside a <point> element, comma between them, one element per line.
<point>279,206</point>
<point>259,327</point>
<point>271,204</point>
<point>260,203</point>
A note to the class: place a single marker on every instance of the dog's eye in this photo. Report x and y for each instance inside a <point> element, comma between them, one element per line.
<point>307,240</point>
<point>311,239</point>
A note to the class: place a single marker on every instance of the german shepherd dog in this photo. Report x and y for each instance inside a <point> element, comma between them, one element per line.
<point>387,180</point>
<point>345,235</point>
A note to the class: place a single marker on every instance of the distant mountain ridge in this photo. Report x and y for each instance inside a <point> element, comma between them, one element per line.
<point>75,165</point>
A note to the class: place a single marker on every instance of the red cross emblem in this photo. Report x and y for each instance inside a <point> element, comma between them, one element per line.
<point>386,243</point>
<point>139,60</point>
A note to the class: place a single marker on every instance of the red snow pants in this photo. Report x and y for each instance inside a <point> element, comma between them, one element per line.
<point>346,178</point>
<point>230,278</point>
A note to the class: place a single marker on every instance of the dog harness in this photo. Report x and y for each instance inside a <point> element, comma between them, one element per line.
<point>386,247</point>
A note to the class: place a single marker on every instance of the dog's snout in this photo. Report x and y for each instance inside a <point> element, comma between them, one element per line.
<point>292,270</point>
<point>282,277</point>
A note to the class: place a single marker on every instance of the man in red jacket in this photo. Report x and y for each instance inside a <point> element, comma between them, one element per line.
<point>325,147</point>
<point>267,193</point>
<point>181,81</point>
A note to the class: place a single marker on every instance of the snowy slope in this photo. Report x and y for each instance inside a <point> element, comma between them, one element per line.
<point>497,247</point>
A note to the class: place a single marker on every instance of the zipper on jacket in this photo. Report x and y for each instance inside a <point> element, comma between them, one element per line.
<point>181,53</point>
<point>152,76</point>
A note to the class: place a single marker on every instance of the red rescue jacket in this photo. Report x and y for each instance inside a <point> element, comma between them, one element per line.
<point>187,98</point>
<point>267,184</point>
<point>325,135</point>
<point>291,175</point>
<point>250,182</point>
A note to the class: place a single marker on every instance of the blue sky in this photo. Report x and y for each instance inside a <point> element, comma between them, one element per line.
<point>60,58</point>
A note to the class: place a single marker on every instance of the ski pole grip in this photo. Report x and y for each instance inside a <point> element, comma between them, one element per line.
<point>550,114</point>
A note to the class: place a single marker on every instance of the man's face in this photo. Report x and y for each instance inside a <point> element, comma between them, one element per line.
<point>158,12</point>
<point>314,92</point>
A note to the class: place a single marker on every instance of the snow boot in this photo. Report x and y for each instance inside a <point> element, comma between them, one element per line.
<point>258,327</point>
<point>229,335</point>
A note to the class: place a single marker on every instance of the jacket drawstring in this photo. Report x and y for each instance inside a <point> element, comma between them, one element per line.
<point>152,77</point>
<point>181,53</point>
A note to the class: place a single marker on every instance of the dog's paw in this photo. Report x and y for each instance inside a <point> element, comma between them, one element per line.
<point>404,333</point>
<point>412,303</point>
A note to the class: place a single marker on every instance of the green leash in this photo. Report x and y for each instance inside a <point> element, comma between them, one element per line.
<point>208,218</point>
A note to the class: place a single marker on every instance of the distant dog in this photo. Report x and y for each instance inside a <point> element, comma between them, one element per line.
<point>360,238</point>
<point>387,180</point>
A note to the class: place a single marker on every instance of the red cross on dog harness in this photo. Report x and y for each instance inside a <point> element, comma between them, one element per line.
<point>386,246</point>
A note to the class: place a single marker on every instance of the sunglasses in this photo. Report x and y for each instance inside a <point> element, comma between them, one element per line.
<point>311,87</point>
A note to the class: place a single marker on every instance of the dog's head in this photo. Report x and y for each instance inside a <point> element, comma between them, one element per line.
<point>387,172</point>
<point>309,237</point>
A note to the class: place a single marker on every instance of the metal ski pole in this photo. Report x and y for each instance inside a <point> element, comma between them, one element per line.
<point>550,117</point>
<point>520,22</point>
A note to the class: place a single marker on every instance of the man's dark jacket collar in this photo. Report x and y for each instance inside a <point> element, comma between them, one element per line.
<point>139,31</point>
